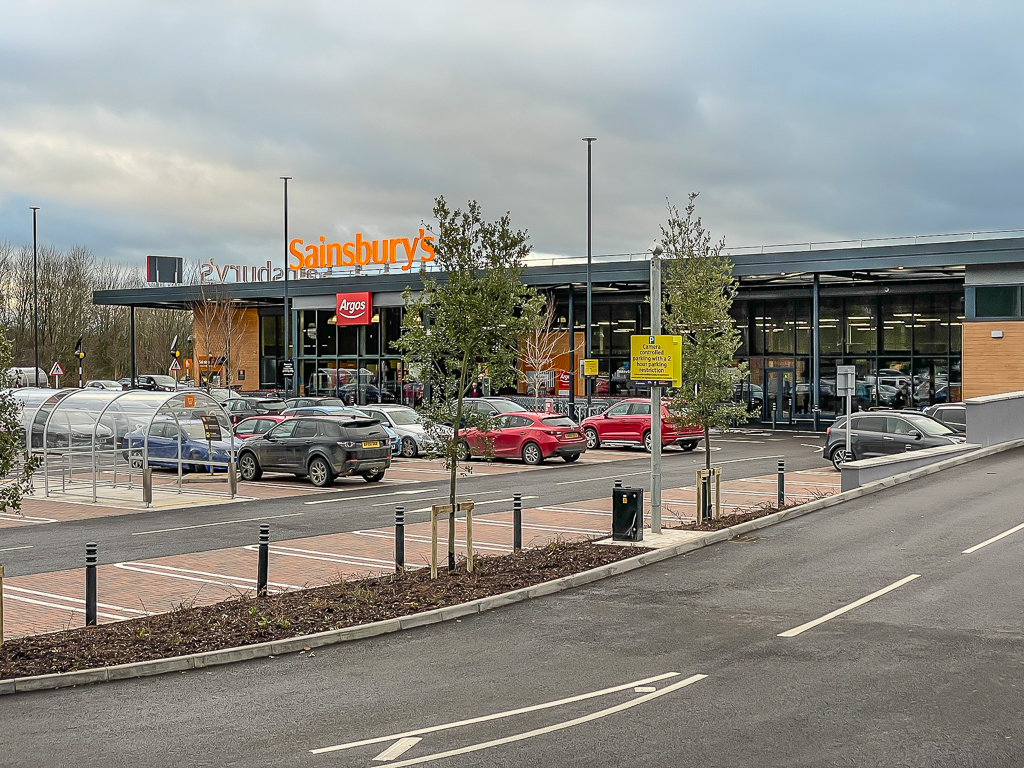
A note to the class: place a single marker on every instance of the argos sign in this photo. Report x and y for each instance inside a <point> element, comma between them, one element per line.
<point>354,309</point>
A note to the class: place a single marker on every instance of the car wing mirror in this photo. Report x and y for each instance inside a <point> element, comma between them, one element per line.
<point>915,434</point>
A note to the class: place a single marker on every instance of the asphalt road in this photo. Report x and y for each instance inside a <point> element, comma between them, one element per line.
<point>927,674</point>
<point>125,537</point>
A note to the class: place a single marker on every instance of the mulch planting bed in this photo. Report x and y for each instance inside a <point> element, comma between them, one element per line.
<point>728,520</point>
<point>248,620</point>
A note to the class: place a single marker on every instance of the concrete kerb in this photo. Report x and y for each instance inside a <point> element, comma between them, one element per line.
<point>361,631</point>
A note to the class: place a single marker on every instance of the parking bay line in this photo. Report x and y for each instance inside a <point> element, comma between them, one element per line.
<point>856,603</point>
<point>610,477</point>
<point>549,728</point>
<point>495,716</point>
<point>478,503</point>
<point>221,522</point>
<point>993,540</point>
<point>370,496</point>
<point>435,498</point>
<point>11,549</point>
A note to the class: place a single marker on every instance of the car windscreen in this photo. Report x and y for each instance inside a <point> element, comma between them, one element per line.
<point>272,406</point>
<point>332,401</point>
<point>164,381</point>
<point>929,426</point>
<point>404,417</point>
<point>505,406</point>
<point>557,421</point>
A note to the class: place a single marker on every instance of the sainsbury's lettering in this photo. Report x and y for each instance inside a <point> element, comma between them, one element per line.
<point>360,252</point>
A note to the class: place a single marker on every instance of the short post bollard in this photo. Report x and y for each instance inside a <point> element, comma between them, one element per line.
<point>263,561</point>
<point>517,521</point>
<point>399,539</point>
<point>1,603</point>
<point>782,483</point>
<point>90,584</point>
<point>617,484</point>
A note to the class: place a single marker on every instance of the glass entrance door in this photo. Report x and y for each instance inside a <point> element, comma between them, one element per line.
<point>778,396</point>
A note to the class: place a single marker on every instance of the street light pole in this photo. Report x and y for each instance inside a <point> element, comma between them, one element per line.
<point>587,349</point>
<point>35,299</point>
<point>287,313</point>
<point>655,298</point>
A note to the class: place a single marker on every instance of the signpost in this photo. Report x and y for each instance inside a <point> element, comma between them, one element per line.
<point>845,385</point>
<point>57,371</point>
<point>175,367</point>
<point>657,360</point>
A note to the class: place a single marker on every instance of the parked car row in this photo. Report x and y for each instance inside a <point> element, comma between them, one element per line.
<point>884,433</point>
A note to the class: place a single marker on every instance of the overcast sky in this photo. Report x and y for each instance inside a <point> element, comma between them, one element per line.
<point>146,127</point>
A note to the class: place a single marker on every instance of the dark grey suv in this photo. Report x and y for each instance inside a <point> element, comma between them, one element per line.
<point>322,447</point>
<point>884,433</point>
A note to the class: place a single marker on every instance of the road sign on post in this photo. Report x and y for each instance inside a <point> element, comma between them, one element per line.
<point>656,359</point>
<point>57,371</point>
<point>588,367</point>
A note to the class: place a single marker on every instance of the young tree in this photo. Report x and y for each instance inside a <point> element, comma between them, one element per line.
<point>699,288</point>
<point>468,321</point>
<point>539,347</point>
<point>219,329</point>
<point>17,481</point>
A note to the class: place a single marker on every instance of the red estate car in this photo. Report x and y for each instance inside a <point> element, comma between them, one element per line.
<point>258,425</point>
<point>530,436</point>
<point>629,421</point>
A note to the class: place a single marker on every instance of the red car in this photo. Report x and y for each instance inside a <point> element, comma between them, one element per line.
<point>629,421</point>
<point>255,426</point>
<point>529,436</point>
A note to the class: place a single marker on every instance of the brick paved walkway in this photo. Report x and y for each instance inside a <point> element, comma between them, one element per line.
<point>48,602</point>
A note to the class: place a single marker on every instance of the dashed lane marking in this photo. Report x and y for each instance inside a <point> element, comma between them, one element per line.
<point>993,540</point>
<point>856,603</point>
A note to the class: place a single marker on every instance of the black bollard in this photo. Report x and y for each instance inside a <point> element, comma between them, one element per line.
<point>263,560</point>
<point>399,539</point>
<point>617,484</point>
<point>517,521</point>
<point>90,584</point>
<point>782,483</point>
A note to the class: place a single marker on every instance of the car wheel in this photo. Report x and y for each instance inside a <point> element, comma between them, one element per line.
<point>532,454</point>
<point>593,441</point>
<point>320,472</point>
<point>462,452</point>
<point>194,466</point>
<point>409,449</point>
<point>688,446</point>
<point>374,477</point>
<point>249,468</point>
<point>570,457</point>
<point>648,441</point>
<point>838,457</point>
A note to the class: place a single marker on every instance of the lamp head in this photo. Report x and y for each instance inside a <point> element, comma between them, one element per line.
<point>656,248</point>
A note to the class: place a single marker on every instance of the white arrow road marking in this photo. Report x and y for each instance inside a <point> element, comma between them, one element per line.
<point>497,715</point>
<point>550,728</point>
<point>856,603</point>
<point>399,748</point>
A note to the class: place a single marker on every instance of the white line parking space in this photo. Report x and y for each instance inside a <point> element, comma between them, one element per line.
<point>856,603</point>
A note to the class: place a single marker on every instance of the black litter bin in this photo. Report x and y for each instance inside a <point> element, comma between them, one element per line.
<point>628,514</point>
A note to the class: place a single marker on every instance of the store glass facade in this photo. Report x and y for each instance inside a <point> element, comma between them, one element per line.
<point>906,349</point>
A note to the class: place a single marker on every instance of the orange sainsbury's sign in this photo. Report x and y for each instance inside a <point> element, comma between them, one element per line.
<point>397,250</point>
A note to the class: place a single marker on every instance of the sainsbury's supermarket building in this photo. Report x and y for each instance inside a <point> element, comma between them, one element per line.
<point>924,320</point>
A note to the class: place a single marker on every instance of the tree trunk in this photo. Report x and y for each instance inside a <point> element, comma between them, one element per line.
<point>707,448</point>
<point>455,463</point>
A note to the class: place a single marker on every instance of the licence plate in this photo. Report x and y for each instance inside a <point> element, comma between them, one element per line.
<point>571,435</point>
<point>371,444</point>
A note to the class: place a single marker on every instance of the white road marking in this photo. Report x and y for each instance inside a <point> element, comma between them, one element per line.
<point>370,496</point>
<point>645,689</point>
<point>745,442</point>
<point>222,522</point>
<point>497,715</point>
<point>13,518</point>
<point>399,748</point>
<point>11,549</point>
<point>753,458</point>
<point>219,579</point>
<point>331,557</point>
<point>856,603</point>
<point>540,527</point>
<point>993,540</point>
<point>481,503</point>
<point>609,477</point>
<point>412,537</point>
<point>446,496</point>
<point>54,596</point>
<point>550,728</point>
<point>72,608</point>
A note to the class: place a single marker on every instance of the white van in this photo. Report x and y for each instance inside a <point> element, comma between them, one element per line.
<point>22,377</point>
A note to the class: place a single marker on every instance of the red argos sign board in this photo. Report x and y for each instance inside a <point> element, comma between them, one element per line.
<point>354,309</point>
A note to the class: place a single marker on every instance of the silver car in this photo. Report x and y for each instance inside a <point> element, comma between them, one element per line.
<point>407,423</point>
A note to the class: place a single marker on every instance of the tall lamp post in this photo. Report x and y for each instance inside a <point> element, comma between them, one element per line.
<point>287,312</point>
<point>35,299</point>
<point>587,350</point>
<point>655,297</point>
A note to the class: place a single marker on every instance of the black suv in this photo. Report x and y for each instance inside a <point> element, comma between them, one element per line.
<point>322,447</point>
<point>884,433</point>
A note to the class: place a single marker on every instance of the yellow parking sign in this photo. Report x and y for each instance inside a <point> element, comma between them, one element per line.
<point>656,359</point>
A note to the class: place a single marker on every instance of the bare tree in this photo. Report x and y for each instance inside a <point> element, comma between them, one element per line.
<point>220,327</point>
<point>538,348</point>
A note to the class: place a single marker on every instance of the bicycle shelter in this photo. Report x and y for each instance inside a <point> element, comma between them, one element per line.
<point>93,439</point>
